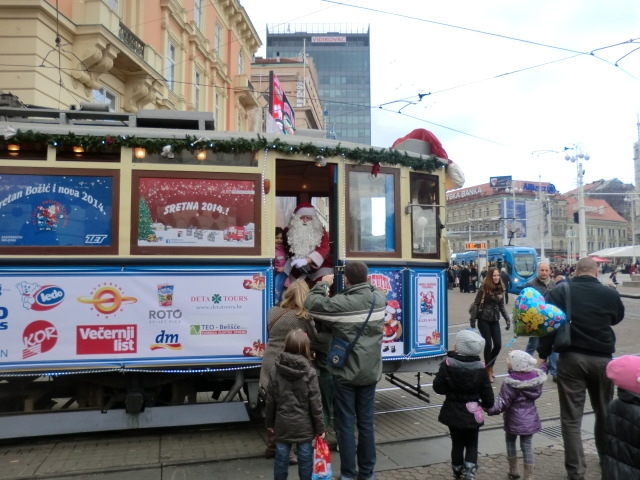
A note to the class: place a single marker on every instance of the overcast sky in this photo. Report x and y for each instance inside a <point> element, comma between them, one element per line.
<point>505,78</point>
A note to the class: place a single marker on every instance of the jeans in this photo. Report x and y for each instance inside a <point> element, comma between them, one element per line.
<point>278,287</point>
<point>305,461</point>
<point>532,344</point>
<point>578,374</point>
<point>490,331</point>
<point>354,406</point>
<point>553,364</point>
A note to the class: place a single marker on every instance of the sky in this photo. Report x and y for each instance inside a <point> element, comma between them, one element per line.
<point>503,79</point>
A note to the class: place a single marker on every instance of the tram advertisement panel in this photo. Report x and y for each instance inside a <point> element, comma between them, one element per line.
<point>70,210</point>
<point>429,311</point>
<point>389,281</point>
<point>83,319</point>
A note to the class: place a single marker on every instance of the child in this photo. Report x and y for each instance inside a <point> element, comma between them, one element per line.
<point>279,263</point>
<point>622,449</point>
<point>516,399</point>
<point>464,380</point>
<point>294,407</point>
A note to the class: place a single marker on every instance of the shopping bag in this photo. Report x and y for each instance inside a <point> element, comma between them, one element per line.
<point>321,460</point>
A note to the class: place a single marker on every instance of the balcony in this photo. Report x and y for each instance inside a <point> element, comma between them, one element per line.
<point>245,92</point>
<point>132,41</point>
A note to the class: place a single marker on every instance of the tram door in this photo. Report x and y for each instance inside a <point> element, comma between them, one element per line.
<point>297,182</point>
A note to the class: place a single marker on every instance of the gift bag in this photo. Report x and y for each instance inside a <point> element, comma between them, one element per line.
<point>321,460</point>
<point>533,317</point>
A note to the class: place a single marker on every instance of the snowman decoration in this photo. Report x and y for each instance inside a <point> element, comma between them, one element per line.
<point>392,326</point>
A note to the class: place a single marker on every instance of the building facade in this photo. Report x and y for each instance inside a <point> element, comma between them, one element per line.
<point>132,55</point>
<point>299,80</point>
<point>521,215</point>
<point>341,54</point>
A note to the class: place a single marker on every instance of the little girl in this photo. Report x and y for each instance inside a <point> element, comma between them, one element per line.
<point>465,382</point>
<point>517,399</point>
<point>294,406</point>
<point>278,263</point>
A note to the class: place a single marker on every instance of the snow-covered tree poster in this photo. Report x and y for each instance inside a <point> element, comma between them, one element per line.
<point>196,212</point>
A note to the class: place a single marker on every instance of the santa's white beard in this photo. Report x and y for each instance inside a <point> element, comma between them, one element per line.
<point>304,239</point>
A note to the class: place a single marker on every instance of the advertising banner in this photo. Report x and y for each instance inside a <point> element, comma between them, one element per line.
<point>56,210</point>
<point>83,319</point>
<point>429,312</point>
<point>390,282</point>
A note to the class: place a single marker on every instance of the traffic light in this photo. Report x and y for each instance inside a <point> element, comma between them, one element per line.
<point>576,217</point>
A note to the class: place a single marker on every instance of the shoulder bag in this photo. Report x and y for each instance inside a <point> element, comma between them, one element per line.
<point>562,340</point>
<point>339,349</point>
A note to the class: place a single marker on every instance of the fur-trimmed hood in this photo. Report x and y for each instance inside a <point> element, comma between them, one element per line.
<point>526,380</point>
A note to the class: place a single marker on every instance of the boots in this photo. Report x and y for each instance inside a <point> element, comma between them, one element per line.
<point>492,377</point>
<point>528,472</point>
<point>470,470</point>
<point>457,471</point>
<point>513,467</point>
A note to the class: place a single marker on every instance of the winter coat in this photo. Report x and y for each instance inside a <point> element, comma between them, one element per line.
<point>540,286</point>
<point>462,380</point>
<point>294,405</point>
<point>344,314</point>
<point>622,448</point>
<point>594,309</point>
<point>517,400</point>
<point>493,302</point>
<point>286,322</point>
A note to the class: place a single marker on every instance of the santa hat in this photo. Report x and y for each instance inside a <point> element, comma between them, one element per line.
<point>521,361</point>
<point>304,209</point>
<point>624,371</point>
<point>393,306</point>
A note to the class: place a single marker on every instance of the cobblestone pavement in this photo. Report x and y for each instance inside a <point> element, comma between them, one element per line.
<point>549,465</point>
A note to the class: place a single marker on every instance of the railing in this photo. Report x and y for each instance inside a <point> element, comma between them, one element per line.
<point>132,41</point>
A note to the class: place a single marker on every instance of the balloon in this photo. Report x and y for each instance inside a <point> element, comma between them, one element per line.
<point>534,317</point>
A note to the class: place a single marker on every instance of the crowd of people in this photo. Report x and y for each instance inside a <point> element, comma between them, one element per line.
<point>306,396</point>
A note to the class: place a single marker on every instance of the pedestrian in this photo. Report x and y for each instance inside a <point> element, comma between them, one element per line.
<point>473,278</point>
<point>465,279</point>
<point>354,384</point>
<point>279,262</point>
<point>543,283</point>
<point>595,308</point>
<point>622,451</point>
<point>289,315</point>
<point>488,306</point>
<point>614,278</point>
<point>517,400</point>
<point>465,383</point>
<point>506,281</point>
<point>293,411</point>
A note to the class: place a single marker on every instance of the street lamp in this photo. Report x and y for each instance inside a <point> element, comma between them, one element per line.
<point>543,217</point>
<point>582,226</point>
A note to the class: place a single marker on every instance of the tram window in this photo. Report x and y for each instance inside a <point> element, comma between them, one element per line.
<point>425,215</point>
<point>372,219</point>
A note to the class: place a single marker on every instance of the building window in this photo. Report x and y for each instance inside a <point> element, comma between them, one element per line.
<point>240,63</point>
<point>196,89</point>
<point>170,71</point>
<point>217,39</point>
<point>425,215</point>
<point>197,13</point>
<point>217,111</point>
<point>102,95</point>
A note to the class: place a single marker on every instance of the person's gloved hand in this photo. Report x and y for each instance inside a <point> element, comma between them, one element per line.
<point>472,323</point>
<point>508,326</point>
<point>299,262</point>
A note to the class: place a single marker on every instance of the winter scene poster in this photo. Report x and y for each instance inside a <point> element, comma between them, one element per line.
<point>196,212</point>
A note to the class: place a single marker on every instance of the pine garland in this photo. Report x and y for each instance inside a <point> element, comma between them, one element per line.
<point>359,155</point>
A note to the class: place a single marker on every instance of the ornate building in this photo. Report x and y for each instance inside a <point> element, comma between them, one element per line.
<point>132,55</point>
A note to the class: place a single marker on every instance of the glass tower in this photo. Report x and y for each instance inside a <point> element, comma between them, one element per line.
<point>341,56</point>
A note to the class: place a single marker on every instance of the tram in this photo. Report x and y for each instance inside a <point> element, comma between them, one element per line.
<point>136,261</point>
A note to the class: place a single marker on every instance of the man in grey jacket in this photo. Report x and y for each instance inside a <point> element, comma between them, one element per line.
<point>355,383</point>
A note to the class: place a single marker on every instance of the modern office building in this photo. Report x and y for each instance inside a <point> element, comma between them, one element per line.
<point>341,54</point>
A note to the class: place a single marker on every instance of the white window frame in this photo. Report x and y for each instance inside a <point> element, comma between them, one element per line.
<point>104,95</point>
<point>240,62</point>
<point>170,67</point>
<point>197,90</point>
<point>197,13</point>
<point>217,39</point>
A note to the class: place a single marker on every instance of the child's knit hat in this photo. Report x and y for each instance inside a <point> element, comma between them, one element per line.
<point>469,343</point>
<point>521,361</point>
<point>624,371</point>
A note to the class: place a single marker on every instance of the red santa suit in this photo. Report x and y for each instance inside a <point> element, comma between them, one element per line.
<point>308,246</point>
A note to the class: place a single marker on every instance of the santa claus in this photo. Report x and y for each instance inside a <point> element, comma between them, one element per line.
<point>392,327</point>
<point>307,245</point>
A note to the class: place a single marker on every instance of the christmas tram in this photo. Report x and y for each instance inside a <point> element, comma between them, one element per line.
<point>136,260</point>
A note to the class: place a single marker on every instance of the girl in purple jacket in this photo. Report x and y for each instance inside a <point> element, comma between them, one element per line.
<point>517,399</point>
